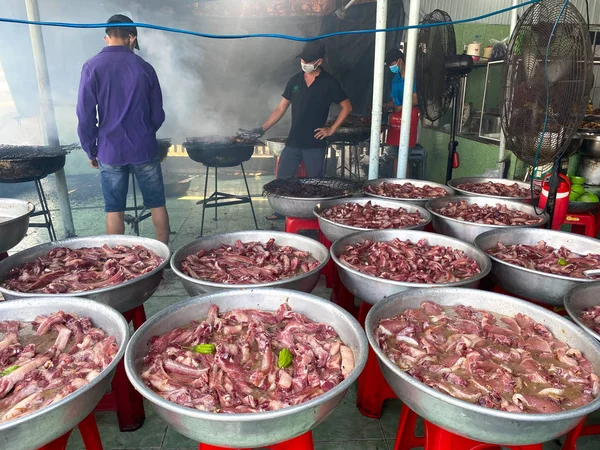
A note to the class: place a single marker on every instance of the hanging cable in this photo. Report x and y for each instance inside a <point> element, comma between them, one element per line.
<point>263,35</point>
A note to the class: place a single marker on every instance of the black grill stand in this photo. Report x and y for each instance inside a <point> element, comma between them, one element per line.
<point>134,221</point>
<point>44,211</point>
<point>227,199</point>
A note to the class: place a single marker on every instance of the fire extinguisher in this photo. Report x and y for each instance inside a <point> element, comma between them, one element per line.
<point>561,205</point>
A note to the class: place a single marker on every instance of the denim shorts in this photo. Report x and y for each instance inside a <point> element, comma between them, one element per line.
<point>115,184</point>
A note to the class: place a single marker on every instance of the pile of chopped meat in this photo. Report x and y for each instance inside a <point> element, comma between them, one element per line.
<point>496,189</point>
<point>543,258</point>
<point>486,214</point>
<point>43,361</point>
<point>413,263</point>
<point>510,364</point>
<point>247,360</point>
<point>372,216</point>
<point>591,318</point>
<point>248,263</point>
<point>83,269</point>
<point>406,190</point>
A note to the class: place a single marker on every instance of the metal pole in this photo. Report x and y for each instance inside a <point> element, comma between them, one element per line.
<point>409,78</point>
<point>513,25</point>
<point>48,118</point>
<point>378,70</point>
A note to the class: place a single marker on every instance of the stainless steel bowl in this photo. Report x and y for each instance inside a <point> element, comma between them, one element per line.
<point>467,419</point>
<point>468,231</point>
<point>417,183</point>
<point>14,221</point>
<point>47,424</point>
<point>590,146</point>
<point>455,182</point>
<point>301,208</point>
<point>582,297</point>
<point>247,430</point>
<point>275,145</point>
<point>123,297</point>
<point>372,289</point>
<point>305,282</point>
<point>334,231</point>
<point>542,287</point>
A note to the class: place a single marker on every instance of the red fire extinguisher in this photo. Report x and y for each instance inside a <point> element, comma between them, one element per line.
<point>561,205</point>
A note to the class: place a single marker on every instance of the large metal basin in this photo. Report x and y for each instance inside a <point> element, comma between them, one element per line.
<point>582,297</point>
<point>530,284</point>
<point>123,297</point>
<point>455,182</point>
<point>246,430</point>
<point>305,282</point>
<point>49,423</point>
<point>334,231</point>
<point>417,183</point>
<point>372,289</point>
<point>14,221</point>
<point>276,145</point>
<point>468,231</point>
<point>466,419</point>
<point>301,208</point>
<point>590,146</point>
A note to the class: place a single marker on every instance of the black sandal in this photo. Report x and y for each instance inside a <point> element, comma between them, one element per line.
<point>275,216</point>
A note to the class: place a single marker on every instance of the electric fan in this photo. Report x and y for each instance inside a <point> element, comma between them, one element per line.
<point>547,77</point>
<point>439,70</point>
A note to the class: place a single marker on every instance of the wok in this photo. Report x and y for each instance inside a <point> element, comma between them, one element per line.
<point>334,230</point>
<point>257,429</point>
<point>542,287</point>
<point>305,282</point>
<point>468,231</point>
<point>417,183</point>
<point>123,297</point>
<point>47,424</point>
<point>372,289</point>
<point>457,181</point>
<point>14,221</point>
<point>580,298</point>
<point>218,151</point>
<point>467,419</point>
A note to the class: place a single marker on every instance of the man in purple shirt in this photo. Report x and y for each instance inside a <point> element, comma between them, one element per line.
<point>120,110</point>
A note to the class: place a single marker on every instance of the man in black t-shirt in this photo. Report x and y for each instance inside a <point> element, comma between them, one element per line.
<point>310,93</point>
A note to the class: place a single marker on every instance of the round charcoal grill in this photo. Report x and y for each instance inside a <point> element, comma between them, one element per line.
<point>219,151</point>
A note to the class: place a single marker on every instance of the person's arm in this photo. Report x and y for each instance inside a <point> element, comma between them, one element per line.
<point>87,128</point>
<point>157,113</point>
<point>277,114</point>
<point>322,133</point>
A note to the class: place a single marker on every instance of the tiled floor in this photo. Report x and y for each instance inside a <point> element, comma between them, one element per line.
<point>345,429</point>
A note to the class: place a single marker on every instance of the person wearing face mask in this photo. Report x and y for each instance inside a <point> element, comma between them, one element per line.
<point>120,109</point>
<point>311,93</point>
<point>394,59</point>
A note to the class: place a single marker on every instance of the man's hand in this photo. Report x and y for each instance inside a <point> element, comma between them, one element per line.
<point>322,133</point>
<point>258,131</point>
<point>94,163</point>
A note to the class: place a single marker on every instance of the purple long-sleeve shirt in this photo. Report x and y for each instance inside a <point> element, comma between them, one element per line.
<point>126,92</point>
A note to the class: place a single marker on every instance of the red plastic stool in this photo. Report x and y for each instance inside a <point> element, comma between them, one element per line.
<point>89,433</point>
<point>373,390</point>
<point>302,442</point>
<point>577,432</point>
<point>123,398</point>
<point>301,172</point>
<point>406,439</point>
<point>437,438</point>
<point>584,223</point>
<point>556,309</point>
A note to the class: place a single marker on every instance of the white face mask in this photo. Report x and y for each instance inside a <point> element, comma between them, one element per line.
<point>308,68</point>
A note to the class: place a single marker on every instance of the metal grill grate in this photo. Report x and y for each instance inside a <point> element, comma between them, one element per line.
<point>310,187</point>
<point>21,152</point>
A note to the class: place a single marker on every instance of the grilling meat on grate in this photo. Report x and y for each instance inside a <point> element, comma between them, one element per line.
<point>507,363</point>
<point>372,216</point>
<point>489,215</point>
<point>496,189</point>
<point>43,361</point>
<point>406,190</point>
<point>412,263</point>
<point>591,318</point>
<point>247,360</point>
<point>543,258</point>
<point>66,270</point>
<point>248,263</point>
